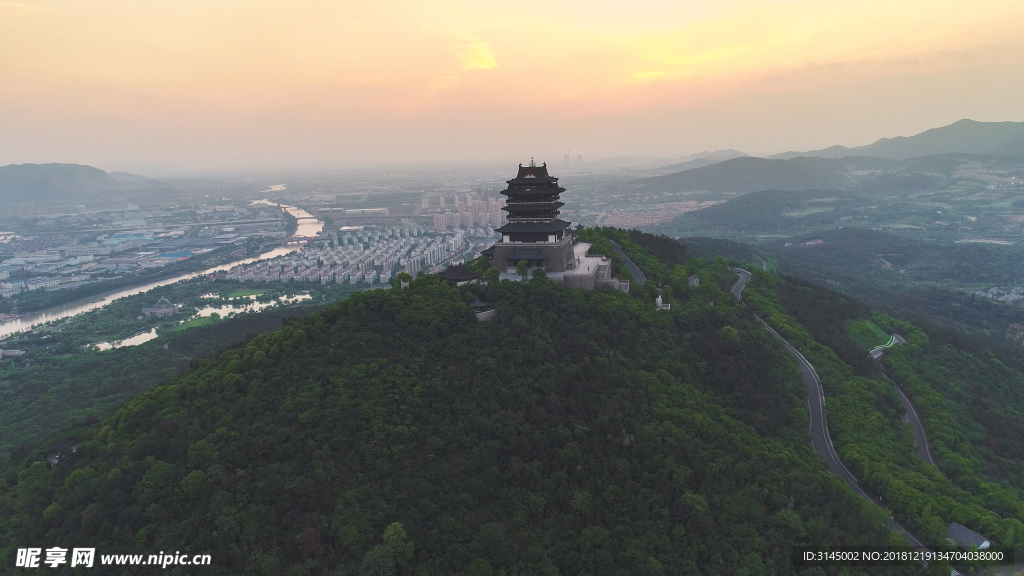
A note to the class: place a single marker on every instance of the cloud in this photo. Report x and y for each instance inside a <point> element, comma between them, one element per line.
<point>475,54</point>
<point>648,74</point>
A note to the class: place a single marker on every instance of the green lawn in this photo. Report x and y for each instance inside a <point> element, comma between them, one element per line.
<point>244,292</point>
<point>193,323</point>
<point>866,335</point>
<point>808,211</point>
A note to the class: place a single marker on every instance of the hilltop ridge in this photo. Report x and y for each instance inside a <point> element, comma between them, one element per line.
<point>59,183</point>
<point>964,137</point>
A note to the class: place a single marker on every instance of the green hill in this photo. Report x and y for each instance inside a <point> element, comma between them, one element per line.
<point>575,433</point>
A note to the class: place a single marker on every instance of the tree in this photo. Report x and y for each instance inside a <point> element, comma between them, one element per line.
<point>402,278</point>
<point>480,567</point>
<point>522,269</point>
<point>396,538</point>
<point>379,561</point>
<point>491,276</point>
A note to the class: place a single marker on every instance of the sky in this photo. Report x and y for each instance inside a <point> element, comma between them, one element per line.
<point>231,84</point>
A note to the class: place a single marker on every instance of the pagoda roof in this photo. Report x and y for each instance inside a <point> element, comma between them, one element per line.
<point>533,206</point>
<point>533,175</point>
<point>533,195</point>
<point>526,254</point>
<point>489,251</point>
<point>458,273</point>
<point>552,226</point>
<point>478,303</point>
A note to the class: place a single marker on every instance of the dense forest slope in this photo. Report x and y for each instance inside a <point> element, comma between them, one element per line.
<point>575,433</point>
<point>865,415</point>
<point>65,386</point>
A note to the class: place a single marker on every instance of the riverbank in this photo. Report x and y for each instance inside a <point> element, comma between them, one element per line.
<point>307,228</point>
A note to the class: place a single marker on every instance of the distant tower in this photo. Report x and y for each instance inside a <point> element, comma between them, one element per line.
<point>579,158</point>
<point>534,232</point>
<point>568,159</point>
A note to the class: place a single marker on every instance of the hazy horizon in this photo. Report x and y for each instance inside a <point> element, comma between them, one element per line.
<point>214,86</point>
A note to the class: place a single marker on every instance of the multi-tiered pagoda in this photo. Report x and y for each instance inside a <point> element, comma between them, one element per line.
<point>534,232</point>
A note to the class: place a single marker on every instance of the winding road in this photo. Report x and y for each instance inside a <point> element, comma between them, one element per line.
<point>910,416</point>
<point>638,275</point>
<point>920,438</point>
<point>821,441</point>
<point>741,282</point>
<point>877,351</point>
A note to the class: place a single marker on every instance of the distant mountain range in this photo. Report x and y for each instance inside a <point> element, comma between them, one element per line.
<point>64,183</point>
<point>750,174</point>
<point>937,152</point>
<point>963,137</point>
<point>702,159</point>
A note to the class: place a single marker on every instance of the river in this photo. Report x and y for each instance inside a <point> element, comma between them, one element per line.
<point>309,226</point>
<point>222,310</point>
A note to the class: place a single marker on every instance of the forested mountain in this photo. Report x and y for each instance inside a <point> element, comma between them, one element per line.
<point>41,183</point>
<point>576,432</point>
<point>964,136</point>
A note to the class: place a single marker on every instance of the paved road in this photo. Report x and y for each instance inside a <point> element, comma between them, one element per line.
<point>920,438</point>
<point>877,351</point>
<point>633,268</point>
<point>821,441</point>
<point>737,288</point>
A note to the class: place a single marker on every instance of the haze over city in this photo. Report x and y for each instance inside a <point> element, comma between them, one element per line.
<point>220,85</point>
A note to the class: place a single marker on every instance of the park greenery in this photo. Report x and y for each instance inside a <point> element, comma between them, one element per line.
<point>866,335</point>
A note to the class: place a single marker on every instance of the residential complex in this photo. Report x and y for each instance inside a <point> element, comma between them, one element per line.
<point>368,256</point>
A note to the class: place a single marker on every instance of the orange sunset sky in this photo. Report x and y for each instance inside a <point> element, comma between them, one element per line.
<point>214,84</point>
